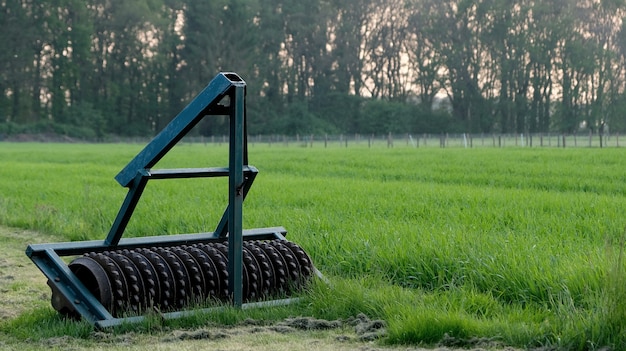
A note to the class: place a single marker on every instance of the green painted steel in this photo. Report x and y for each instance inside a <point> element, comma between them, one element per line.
<point>207,102</point>
<point>225,95</point>
<point>235,196</point>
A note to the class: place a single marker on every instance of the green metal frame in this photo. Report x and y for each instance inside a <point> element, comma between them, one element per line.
<point>225,95</point>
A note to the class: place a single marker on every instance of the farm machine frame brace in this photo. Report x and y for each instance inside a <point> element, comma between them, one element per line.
<point>120,280</point>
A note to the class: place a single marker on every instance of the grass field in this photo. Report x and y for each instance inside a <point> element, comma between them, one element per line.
<point>519,246</point>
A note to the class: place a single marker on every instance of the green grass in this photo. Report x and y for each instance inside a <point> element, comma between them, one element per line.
<point>523,246</point>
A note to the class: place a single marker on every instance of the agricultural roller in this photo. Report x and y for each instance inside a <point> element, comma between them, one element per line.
<point>121,280</point>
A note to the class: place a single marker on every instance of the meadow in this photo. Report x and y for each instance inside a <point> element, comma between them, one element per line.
<point>519,246</point>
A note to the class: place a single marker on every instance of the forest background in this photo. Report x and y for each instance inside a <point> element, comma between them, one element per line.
<point>92,68</point>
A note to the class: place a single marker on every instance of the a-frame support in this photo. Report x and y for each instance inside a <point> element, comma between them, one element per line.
<point>225,95</point>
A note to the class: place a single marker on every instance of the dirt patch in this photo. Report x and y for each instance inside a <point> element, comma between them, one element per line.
<point>21,284</point>
<point>364,329</point>
<point>201,334</point>
<point>369,330</point>
<point>309,323</point>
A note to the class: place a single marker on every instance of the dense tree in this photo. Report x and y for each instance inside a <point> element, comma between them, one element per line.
<point>426,62</point>
<point>22,44</point>
<point>386,72</point>
<point>457,36</point>
<point>607,78</point>
<point>320,66</point>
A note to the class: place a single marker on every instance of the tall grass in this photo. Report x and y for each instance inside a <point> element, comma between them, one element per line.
<point>522,246</point>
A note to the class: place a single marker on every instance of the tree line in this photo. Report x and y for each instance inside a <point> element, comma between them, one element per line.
<point>99,67</point>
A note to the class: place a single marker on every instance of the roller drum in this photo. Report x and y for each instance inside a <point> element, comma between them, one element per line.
<point>169,278</point>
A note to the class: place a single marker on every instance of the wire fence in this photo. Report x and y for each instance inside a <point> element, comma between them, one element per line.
<point>445,140</point>
<point>389,140</point>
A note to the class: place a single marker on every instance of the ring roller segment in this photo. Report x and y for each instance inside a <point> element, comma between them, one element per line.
<point>169,278</point>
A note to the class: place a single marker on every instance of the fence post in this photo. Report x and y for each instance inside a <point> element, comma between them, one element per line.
<point>600,134</point>
<point>549,140</point>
